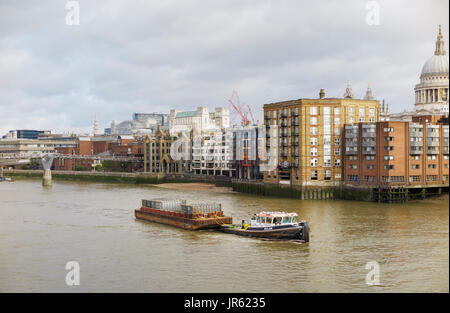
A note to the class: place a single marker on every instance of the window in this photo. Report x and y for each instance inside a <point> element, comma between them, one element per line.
<point>351,120</point>
<point>431,165</point>
<point>370,157</point>
<point>389,167</point>
<point>388,148</point>
<point>313,110</point>
<point>372,112</point>
<point>337,121</point>
<point>432,157</point>
<point>337,162</point>
<point>361,112</point>
<point>388,129</point>
<point>353,166</point>
<point>326,111</point>
<point>327,175</point>
<point>337,141</point>
<point>313,130</point>
<point>337,151</point>
<point>369,166</point>
<point>432,177</point>
<point>353,178</point>
<point>313,141</point>
<point>313,151</point>
<point>313,121</point>
<point>351,110</point>
<point>337,130</point>
<point>314,175</point>
<point>327,160</point>
<point>397,179</point>
<point>388,157</point>
<point>369,179</point>
<point>415,166</point>
<point>353,158</point>
<point>337,111</point>
<point>389,138</point>
<point>416,157</point>
<point>314,162</point>
<point>415,178</point>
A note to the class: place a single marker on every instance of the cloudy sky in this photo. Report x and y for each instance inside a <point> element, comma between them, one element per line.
<point>151,56</point>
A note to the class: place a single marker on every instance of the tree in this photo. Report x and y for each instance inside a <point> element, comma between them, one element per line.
<point>79,167</point>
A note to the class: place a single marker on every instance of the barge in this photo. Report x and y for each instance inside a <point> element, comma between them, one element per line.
<point>272,225</point>
<point>180,214</point>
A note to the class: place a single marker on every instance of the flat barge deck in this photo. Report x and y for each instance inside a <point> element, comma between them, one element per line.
<point>182,215</point>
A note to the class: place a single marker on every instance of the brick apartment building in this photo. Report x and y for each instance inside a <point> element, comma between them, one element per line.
<point>310,138</point>
<point>397,153</point>
<point>86,148</point>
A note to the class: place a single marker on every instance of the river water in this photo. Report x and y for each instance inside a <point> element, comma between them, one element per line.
<point>42,229</point>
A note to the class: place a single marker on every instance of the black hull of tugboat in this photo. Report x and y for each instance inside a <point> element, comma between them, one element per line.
<point>300,233</point>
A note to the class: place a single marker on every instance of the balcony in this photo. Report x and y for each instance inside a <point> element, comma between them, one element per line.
<point>413,151</point>
<point>416,143</point>
<point>369,143</point>
<point>415,134</point>
<point>430,150</point>
<point>433,143</point>
<point>432,134</point>
<point>351,135</point>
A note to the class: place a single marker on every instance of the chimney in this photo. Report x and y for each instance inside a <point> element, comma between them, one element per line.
<point>322,94</point>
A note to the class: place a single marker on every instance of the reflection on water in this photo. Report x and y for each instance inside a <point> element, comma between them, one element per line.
<point>42,229</point>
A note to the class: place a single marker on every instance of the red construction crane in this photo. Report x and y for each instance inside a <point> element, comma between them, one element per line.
<point>241,110</point>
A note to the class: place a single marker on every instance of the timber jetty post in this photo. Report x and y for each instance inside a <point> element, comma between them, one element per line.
<point>47,162</point>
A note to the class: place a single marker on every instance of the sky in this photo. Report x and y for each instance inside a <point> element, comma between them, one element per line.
<point>153,56</point>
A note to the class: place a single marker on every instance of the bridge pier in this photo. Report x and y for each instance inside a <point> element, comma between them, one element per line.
<point>47,178</point>
<point>47,161</point>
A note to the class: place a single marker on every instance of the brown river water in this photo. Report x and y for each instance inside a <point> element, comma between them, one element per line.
<point>41,229</point>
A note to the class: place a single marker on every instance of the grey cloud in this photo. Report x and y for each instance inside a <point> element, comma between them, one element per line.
<point>129,56</point>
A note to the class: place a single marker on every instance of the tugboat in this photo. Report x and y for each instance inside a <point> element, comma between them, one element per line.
<point>272,225</point>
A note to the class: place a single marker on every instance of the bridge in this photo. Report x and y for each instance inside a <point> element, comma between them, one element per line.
<point>21,158</point>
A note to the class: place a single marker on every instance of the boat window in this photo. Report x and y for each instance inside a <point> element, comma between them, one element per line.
<point>286,220</point>
<point>277,220</point>
<point>294,219</point>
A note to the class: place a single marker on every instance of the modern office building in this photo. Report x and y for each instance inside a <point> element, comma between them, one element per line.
<point>25,134</point>
<point>160,118</point>
<point>212,152</point>
<point>310,137</point>
<point>249,151</point>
